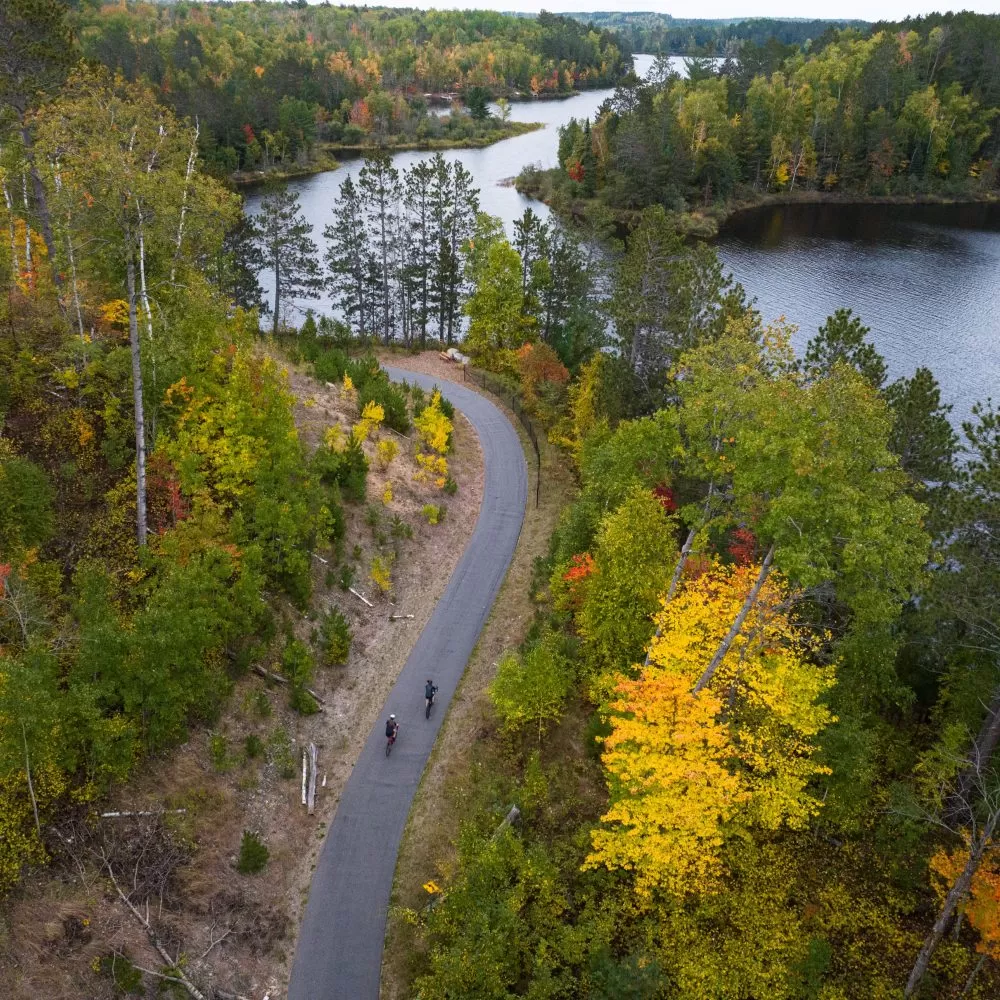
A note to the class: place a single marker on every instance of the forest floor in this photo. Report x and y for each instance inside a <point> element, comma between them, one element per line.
<point>237,932</point>
<point>428,850</point>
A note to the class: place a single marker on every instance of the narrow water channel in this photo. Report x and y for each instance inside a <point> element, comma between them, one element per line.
<point>926,279</point>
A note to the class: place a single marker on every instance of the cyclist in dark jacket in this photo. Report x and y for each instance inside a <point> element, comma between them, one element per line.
<point>391,726</point>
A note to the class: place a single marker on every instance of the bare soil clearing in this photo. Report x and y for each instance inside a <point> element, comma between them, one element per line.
<point>237,932</point>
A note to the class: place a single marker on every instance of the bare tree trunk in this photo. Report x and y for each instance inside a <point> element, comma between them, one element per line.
<point>955,895</point>
<point>734,631</point>
<point>187,183</point>
<point>140,421</point>
<point>27,227</point>
<point>15,262</point>
<point>31,787</point>
<point>41,202</point>
<point>277,292</point>
<point>148,313</point>
<point>972,975</point>
<point>957,806</point>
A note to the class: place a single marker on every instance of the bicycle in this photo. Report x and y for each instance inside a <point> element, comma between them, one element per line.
<point>390,740</point>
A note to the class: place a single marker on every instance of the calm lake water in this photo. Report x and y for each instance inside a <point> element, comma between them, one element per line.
<point>925,279</point>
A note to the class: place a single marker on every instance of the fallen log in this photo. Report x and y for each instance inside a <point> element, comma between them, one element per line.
<point>284,680</point>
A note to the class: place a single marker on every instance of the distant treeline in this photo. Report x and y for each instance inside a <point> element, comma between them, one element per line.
<point>649,32</point>
<point>265,76</point>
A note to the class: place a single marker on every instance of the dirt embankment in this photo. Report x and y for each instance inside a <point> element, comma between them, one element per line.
<point>236,933</point>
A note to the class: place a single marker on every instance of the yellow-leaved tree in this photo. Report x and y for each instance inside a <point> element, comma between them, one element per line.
<point>685,766</point>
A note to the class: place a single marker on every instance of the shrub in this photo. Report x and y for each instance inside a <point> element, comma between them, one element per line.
<point>253,854</point>
<point>253,746</point>
<point>530,690</point>
<point>387,494</point>
<point>450,486</point>
<point>342,464</point>
<point>25,504</point>
<point>346,577</point>
<point>120,970</point>
<point>381,572</point>
<point>218,750</point>
<point>381,391</point>
<point>335,638</point>
<point>433,513</point>
<point>297,666</point>
<point>373,516</point>
<point>330,365</point>
<point>399,528</point>
<point>386,450</point>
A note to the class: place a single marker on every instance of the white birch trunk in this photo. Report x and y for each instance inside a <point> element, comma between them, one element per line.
<point>187,183</point>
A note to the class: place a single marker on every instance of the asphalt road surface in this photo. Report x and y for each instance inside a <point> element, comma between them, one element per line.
<point>339,954</point>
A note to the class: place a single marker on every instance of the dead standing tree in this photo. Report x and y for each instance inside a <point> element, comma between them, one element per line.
<point>980,807</point>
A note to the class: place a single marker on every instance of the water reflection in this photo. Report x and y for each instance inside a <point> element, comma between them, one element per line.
<point>926,279</point>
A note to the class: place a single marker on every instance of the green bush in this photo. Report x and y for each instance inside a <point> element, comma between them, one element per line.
<point>125,976</point>
<point>330,365</point>
<point>347,470</point>
<point>218,750</point>
<point>346,577</point>
<point>253,746</point>
<point>380,390</point>
<point>297,665</point>
<point>253,854</point>
<point>399,528</point>
<point>335,638</point>
<point>433,513</point>
<point>25,504</point>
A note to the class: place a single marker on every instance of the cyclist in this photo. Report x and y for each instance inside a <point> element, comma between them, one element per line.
<point>429,691</point>
<point>391,728</point>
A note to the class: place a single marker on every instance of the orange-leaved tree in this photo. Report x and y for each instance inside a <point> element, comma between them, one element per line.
<point>685,766</point>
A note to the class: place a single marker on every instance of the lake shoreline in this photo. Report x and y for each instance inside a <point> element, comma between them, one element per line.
<point>707,223</point>
<point>250,179</point>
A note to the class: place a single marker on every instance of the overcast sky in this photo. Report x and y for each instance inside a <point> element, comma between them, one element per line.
<point>867,10</point>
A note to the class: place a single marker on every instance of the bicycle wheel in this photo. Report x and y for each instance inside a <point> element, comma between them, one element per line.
<point>388,746</point>
<point>427,711</point>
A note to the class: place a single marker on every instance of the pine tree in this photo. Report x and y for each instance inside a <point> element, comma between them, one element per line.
<point>378,184</point>
<point>417,183</point>
<point>288,248</point>
<point>347,254</point>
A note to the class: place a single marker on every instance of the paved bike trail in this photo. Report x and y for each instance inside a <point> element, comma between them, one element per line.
<point>339,953</point>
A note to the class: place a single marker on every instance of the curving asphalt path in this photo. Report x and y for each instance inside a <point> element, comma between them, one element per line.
<point>339,954</point>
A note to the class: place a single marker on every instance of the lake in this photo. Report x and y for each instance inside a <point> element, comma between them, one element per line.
<point>926,279</point>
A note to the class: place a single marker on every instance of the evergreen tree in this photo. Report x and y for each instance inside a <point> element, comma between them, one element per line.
<point>380,189</point>
<point>417,183</point>
<point>347,256</point>
<point>288,248</point>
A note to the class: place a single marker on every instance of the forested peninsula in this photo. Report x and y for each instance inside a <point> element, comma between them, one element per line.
<point>909,111</point>
<point>274,87</point>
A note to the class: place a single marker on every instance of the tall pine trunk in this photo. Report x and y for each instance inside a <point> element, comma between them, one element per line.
<point>140,421</point>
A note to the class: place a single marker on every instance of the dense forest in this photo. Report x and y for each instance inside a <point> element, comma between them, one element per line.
<point>909,112</point>
<point>661,33</point>
<point>266,80</point>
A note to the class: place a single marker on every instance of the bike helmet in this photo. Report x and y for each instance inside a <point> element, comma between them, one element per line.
<point>392,717</point>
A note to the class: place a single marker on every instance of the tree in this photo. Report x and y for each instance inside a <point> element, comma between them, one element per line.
<point>347,259</point>
<point>124,157</point>
<point>380,191</point>
<point>497,320</point>
<point>531,689</point>
<point>420,225</point>
<point>288,248</point>
<point>477,100</point>
<point>843,338</point>
<point>688,765</point>
<point>36,53</point>
<point>922,434</point>
<point>669,296</point>
<point>634,552</point>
